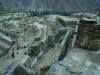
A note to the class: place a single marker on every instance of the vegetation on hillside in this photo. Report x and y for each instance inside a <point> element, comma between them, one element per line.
<point>42,13</point>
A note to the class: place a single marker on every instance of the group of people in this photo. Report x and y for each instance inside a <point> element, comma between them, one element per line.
<point>13,55</point>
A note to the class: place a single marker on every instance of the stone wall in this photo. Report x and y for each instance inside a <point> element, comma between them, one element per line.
<point>35,50</point>
<point>88,34</point>
<point>6,41</point>
<point>64,45</point>
<point>44,44</point>
<point>2,48</point>
<point>59,35</point>
<point>6,31</point>
<point>66,21</point>
<point>27,63</point>
<point>20,68</point>
<point>44,69</point>
<point>61,21</point>
<point>40,45</point>
<point>10,34</point>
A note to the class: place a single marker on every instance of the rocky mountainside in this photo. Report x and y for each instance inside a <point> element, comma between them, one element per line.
<point>52,5</point>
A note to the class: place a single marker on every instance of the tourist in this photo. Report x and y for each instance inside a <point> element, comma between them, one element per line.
<point>12,54</point>
<point>25,53</point>
<point>17,48</point>
<point>24,47</point>
<point>13,49</point>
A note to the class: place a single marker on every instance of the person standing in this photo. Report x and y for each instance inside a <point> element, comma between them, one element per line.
<point>12,54</point>
<point>25,53</point>
<point>24,47</point>
<point>17,48</point>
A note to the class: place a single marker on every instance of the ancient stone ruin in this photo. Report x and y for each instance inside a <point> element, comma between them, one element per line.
<point>50,45</point>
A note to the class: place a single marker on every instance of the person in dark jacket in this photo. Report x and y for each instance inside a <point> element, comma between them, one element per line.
<point>12,54</point>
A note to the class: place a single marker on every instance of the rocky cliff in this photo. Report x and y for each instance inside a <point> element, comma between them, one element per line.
<point>58,5</point>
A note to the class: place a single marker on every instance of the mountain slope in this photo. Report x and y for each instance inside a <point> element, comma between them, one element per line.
<point>55,5</point>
